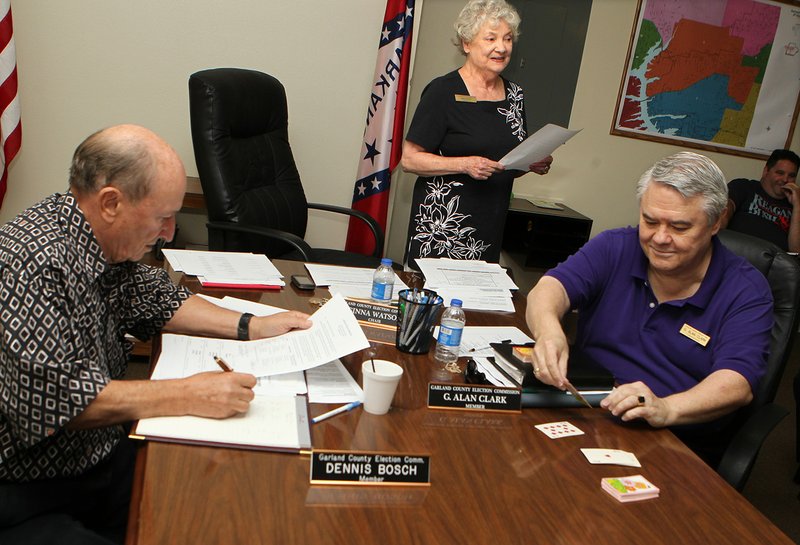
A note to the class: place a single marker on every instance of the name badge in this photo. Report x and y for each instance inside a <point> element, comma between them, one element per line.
<point>697,336</point>
<point>465,98</point>
<point>473,397</point>
<point>369,468</point>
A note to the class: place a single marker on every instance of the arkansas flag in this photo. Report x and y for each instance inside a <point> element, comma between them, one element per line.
<point>383,136</point>
<point>10,126</point>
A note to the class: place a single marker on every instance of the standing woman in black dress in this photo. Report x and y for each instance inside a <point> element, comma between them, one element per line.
<point>465,122</point>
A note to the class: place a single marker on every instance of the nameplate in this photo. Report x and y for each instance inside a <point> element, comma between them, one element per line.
<point>474,397</point>
<point>373,313</point>
<point>369,468</point>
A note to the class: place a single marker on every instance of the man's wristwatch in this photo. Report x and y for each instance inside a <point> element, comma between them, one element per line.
<point>243,331</point>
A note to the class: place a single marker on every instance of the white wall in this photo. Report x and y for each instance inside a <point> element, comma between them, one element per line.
<point>87,64</point>
<point>594,173</point>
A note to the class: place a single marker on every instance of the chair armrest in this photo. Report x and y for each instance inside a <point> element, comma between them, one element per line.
<point>289,238</point>
<point>376,230</point>
<point>740,455</point>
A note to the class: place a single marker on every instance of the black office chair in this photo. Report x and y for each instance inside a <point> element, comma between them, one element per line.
<point>754,422</point>
<point>797,425</point>
<point>252,188</point>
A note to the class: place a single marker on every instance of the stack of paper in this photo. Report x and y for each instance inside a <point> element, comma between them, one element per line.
<point>226,269</point>
<point>479,285</point>
<point>277,420</point>
<point>349,282</point>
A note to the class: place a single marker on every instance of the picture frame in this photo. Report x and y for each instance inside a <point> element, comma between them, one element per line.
<point>719,76</point>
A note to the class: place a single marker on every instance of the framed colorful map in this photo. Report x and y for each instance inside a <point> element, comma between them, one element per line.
<point>720,75</point>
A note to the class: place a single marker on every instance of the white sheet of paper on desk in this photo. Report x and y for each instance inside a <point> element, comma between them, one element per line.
<point>327,275</point>
<point>475,339</point>
<point>242,305</point>
<point>286,384</point>
<point>537,146</point>
<point>456,273</point>
<point>362,291</point>
<point>335,333</point>
<point>224,267</point>
<point>270,421</point>
<point>332,383</point>
<point>492,374</point>
<point>479,299</point>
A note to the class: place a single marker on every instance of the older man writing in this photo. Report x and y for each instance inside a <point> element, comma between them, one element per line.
<point>70,289</point>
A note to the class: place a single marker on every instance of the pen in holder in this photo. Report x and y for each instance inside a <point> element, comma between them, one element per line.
<point>417,315</point>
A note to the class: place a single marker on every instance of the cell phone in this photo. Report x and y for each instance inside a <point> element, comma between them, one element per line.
<point>302,282</point>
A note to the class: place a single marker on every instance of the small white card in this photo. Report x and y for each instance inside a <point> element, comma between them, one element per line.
<point>557,430</point>
<point>610,456</point>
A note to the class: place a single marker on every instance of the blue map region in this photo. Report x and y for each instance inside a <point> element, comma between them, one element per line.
<point>695,112</point>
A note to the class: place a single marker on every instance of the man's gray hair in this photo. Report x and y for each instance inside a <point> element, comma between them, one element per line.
<point>690,174</point>
<point>126,163</point>
<point>477,12</point>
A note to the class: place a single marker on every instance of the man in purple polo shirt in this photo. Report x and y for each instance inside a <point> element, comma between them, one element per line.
<point>682,323</point>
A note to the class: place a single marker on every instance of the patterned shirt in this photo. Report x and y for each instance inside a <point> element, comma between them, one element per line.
<point>64,313</point>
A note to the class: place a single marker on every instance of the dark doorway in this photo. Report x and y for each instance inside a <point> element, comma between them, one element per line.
<point>547,57</point>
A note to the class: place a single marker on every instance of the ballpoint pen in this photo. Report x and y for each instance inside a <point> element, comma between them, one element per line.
<point>334,412</point>
<point>225,367</point>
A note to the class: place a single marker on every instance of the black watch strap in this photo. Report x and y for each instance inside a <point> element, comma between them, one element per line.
<point>243,331</point>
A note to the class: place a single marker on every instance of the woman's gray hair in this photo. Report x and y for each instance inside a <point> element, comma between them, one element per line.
<point>99,161</point>
<point>690,174</point>
<point>477,12</point>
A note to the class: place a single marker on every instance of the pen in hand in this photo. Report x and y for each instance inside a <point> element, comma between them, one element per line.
<point>334,412</point>
<point>223,365</point>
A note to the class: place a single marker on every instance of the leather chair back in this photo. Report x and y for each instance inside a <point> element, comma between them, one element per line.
<point>782,271</point>
<point>239,123</point>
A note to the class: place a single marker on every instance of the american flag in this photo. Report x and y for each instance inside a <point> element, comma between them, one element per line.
<point>383,135</point>
<point>10,125</point>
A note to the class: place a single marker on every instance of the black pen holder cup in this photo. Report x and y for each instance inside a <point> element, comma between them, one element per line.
<point>417,315</point>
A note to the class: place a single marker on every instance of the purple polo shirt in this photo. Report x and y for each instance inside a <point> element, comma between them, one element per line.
<point>622,327</point>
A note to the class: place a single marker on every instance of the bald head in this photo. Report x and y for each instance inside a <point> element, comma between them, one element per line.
<point>128,157</point>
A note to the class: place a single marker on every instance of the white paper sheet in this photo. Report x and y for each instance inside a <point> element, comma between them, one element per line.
<point>456,273</point>
<point>225,267</point>
<point>271,421</point>
<point>331,383</point>
<point>537,146</point>
<point>335,333</point>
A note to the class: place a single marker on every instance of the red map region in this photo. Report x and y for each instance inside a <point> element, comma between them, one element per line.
<point>696,51</point>
<point>630,117</point>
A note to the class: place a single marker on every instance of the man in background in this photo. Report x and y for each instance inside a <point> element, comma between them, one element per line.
<point>70,289</point>
<point>766,208</point>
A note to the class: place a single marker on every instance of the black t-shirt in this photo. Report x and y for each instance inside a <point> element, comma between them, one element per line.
<point>758,214</point>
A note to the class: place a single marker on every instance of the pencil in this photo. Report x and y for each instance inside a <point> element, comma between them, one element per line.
<point>223,365</point>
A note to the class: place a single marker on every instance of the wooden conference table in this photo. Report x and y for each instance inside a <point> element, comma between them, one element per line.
<point>494,478</point>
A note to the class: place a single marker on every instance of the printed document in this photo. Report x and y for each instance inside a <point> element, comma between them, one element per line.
<point>335,333</point>
<point>537,146</point>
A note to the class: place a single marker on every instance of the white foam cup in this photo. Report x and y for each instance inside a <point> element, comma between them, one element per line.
<point>379,385</point>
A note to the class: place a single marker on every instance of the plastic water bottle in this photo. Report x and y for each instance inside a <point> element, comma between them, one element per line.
<point>383,281</point>
<point>449,340</point>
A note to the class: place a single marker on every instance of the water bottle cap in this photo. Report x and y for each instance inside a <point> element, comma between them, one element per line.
<point>386,261</point>
<point>456,303</point>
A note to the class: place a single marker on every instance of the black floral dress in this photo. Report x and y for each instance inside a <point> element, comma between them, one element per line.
<point>456,216</point>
